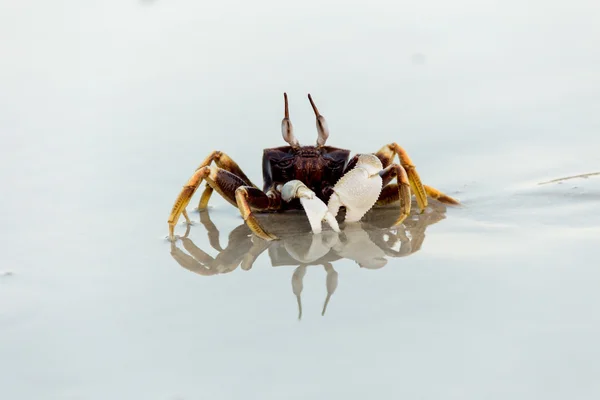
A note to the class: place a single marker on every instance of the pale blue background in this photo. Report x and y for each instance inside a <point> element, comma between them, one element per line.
<point>106,107</point>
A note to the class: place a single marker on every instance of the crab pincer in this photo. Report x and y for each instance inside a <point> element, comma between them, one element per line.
<point>315,209</point>
<point>359,189</point>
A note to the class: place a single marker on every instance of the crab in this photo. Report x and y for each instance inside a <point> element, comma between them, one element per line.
<point>317,178</point>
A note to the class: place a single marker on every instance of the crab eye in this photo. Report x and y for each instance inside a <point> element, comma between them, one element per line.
<point>334,164</point>
<point>285,163</point>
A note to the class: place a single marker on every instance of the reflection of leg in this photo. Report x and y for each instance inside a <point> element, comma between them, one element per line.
<point>297,286</point>
<point>211,230</point>
<point>258,247</point>
<point>227,260</point>
<point>238,245</point>
<point>189,262</point>
<point>199,254</point>
<point>188,228</point>
<point>389,240</point>
<point>331,283</point>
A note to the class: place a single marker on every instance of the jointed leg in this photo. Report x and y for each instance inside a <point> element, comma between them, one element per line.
<point>436,194</point>
<point>387,153</point>
<point>224,182</point>
<point>187,218</point>
<point>225,162</point>
<point>184,197</point>
<point>252,199</point>
<point>203,203</point>
<point>392,193</point>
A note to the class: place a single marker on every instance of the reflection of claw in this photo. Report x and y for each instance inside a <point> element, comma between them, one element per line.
<point>331,283</point>
<point>315,209</point>
<point>298,285</point>
<point>359,247</point>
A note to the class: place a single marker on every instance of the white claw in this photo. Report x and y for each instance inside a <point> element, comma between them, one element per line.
<point>359,189</point>
<point>315,209</point>
<point>296,189</point>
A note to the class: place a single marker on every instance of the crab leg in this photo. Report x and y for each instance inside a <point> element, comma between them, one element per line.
<point>391,193</point>
<point>387,153</point>
<point>436,194</point>
<point>252,199</point>
<point>203,203</point>
<point>186,216</point>
<point>184,197</point>
<point>225,162</point>
<point>224,182</point>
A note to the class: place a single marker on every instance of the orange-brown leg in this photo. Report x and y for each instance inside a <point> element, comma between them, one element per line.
<point>225,162</point>
<point>224,182</point>
<point>395,192</point>
<point>387,153</point>
<point>184,197</point>
<point>390,195</point>
<point>439,196</point>
<point>251,199</point>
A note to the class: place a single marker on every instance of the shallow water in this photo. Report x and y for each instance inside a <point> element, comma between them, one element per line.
<point>107,108</point>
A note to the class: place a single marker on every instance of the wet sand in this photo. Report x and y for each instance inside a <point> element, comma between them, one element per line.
<point>106,110</point>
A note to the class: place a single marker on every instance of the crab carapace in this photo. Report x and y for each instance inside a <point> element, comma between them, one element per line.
<point>319,168</point>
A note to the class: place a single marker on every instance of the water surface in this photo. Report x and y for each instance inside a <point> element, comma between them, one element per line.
<point>106,108</point>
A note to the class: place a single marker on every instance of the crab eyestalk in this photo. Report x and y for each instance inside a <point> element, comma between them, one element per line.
<point>287,130</point>
<point>322,127</point>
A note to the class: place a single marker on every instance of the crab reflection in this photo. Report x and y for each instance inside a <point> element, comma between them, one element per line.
<point>369,243</point>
